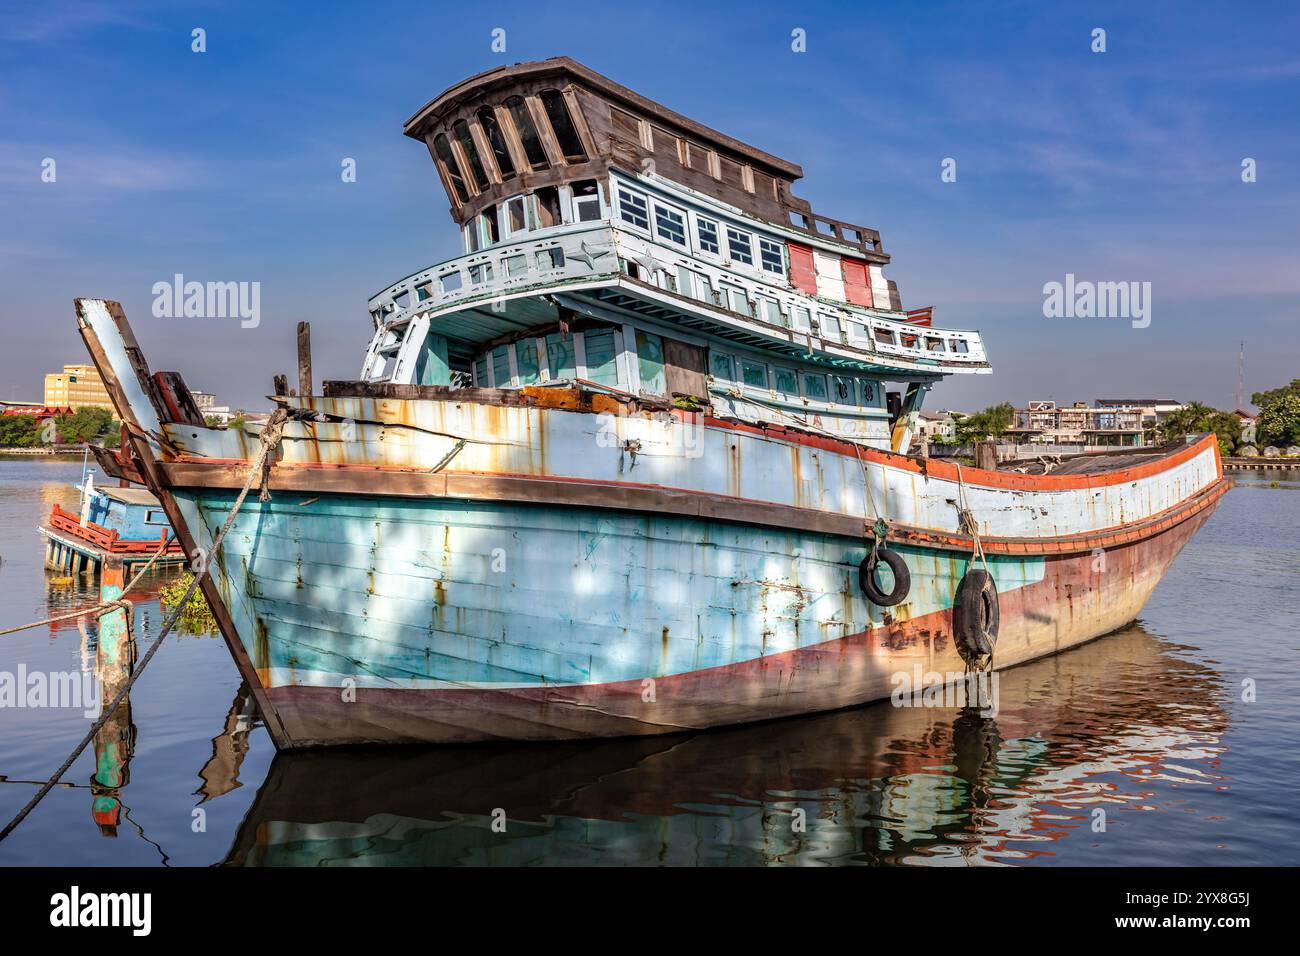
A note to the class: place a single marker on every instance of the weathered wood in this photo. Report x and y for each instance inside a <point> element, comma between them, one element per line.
<point>280,384</point>
<point>986,455</point>
<point>304,358</point>
<point>155,480</point>
<point>177,399</point>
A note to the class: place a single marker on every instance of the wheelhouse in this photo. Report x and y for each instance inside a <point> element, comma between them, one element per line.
<point>610,242</point>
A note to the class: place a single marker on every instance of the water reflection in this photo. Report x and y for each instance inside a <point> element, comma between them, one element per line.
<point>1110,726</point>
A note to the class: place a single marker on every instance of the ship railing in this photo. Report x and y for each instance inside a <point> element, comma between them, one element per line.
<point>595,250</point>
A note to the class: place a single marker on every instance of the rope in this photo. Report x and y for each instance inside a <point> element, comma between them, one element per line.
<point>270,437</point>
<point>97,610</point>
<point>968,523</point>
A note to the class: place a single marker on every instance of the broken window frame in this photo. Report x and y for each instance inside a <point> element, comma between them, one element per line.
<point>526,129</point>
<point>565,131</point>
<point>487,120</point>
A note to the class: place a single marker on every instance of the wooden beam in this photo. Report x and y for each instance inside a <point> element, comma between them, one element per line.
<point>304,358</point>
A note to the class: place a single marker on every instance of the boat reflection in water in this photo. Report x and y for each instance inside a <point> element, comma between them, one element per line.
<point>1107,726</point>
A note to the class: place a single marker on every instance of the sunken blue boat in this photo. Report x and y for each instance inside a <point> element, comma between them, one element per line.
<point>129,523</point>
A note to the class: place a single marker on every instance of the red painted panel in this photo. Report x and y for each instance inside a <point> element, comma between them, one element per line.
<point>802,274</point>
<point>857,285</point>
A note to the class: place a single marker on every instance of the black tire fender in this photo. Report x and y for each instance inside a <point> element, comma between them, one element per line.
<point>867,577</point>
<point>975,613</point>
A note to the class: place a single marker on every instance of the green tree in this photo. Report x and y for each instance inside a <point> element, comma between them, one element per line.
<point>1197,418</point>
<point>19,431</point>
<point>1279,422</point>
<point>1264,399</point>
<point>85,424</point>
<point>990,423</point>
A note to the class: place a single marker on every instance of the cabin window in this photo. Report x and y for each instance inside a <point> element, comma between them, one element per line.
<point>814,387</point>
<point>770,310</point>
<point>720,366</point>
<point>549,259</point>
<point>632,208</point>
<point>737,299</point>
<point>523,121</point>
<point>480,273</point>
<point>707,231</point>
<point>559,357</point>
<point>526,361</point>
<point>960,346</point>
<point>703,288</point>
<point>491,230</point>
<point>548,207</point>
<point>869,394</point>
<point>602,366</point>
<point>586,201</point>
<point>753,373</point>
<point>501,366</point>
<point>471,237</point>
<point>772,256</point>
<point>450,281</point>
<point>442,149</point>
<point>800,318</point>
<point>492,130</point>
<point>844,392</point>
<point>740,246</point>
<point>557,111</point>
<point>516,216</point>
<point>933,345</point>
<point>515,265</point>
<point>650,362</point>
<point>885,336</point>
<point>670,224</point>
<point>786,381</point>
<point>478,179</point>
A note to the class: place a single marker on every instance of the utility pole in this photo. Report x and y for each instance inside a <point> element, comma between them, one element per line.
<point>1241,374</point>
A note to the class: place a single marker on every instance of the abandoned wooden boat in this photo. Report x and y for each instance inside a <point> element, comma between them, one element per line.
<point>635,462</point>
<point>125,522</point>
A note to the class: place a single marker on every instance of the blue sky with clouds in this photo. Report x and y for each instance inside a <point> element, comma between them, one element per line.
<point>225,165</point>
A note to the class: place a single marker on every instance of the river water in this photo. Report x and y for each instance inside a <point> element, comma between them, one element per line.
<point>1170,742</point>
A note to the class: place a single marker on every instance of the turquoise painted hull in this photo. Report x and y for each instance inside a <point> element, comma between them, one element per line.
<point>395,593</point>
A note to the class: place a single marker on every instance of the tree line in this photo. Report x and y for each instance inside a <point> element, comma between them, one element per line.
<point>93,425</point>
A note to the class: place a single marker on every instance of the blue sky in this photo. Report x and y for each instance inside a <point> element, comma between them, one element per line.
<point>225,165</point>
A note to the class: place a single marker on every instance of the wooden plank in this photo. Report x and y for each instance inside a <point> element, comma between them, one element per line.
<point>177,399</point>
<point>304,359</point>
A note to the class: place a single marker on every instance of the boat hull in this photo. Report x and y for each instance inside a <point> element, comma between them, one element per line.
<point>394,621</point>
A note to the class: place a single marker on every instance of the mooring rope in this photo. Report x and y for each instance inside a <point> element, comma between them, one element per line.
<point>270,437</point>
<point>968,523</point>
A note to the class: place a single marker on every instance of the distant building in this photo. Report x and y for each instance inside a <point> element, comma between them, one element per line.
<point>1153,410</point>
<point>1110,423</point>
<point>35,409</point>
<point>936,426</point>
<point>209,408</point>
<point>77,386</point>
